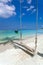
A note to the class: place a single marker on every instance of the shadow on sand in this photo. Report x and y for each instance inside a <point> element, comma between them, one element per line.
<point>40,54</point>
<point>16,45</point>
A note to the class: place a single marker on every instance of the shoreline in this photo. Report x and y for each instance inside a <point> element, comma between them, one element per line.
<point>28,41</point>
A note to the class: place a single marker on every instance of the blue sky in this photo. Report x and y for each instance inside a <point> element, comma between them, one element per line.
<point>10,14</point>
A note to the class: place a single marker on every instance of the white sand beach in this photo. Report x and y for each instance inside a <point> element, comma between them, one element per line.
<point>9,55</point>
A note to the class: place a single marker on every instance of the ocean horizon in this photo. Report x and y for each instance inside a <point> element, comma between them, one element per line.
<point>11,34</point>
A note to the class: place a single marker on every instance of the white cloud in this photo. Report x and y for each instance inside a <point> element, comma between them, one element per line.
<point>6,10</point>
<point>5,1</point>
<point>34,10</point>
<point>31,7</point>
<point>29,1</point>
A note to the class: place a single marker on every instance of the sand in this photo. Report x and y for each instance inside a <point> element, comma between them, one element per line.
<point>9,55</point>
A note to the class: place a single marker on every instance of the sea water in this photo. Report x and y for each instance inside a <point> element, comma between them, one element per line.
<point>11,34</point>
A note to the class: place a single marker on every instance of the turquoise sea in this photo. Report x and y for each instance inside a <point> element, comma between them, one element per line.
<point>10,34</point>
